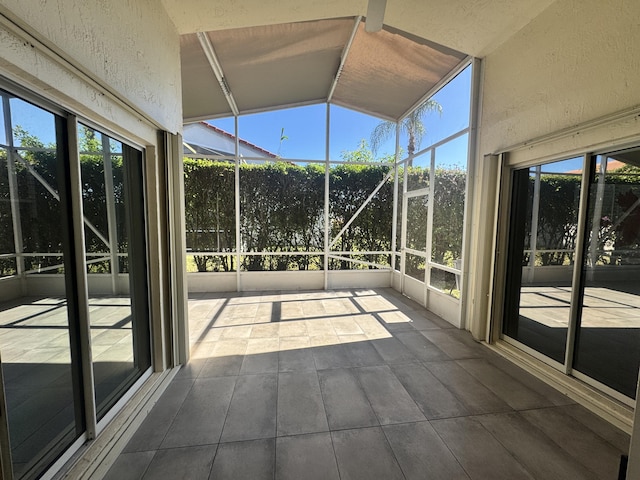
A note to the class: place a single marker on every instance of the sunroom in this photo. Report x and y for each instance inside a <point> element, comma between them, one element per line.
<point>409,195</point>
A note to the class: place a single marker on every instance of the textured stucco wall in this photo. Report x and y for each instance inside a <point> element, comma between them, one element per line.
<point>130,47</point>
<point>577,61</point>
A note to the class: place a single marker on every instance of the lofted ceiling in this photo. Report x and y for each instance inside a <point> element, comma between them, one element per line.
<point>247,56</point>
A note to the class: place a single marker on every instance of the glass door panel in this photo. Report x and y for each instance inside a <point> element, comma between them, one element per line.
<point>38,335</point>
<point>115,253</point>
<point>541,255</point>
<point>608,337</point>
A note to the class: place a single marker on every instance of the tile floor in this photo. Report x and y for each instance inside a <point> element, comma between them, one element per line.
<point>357,384</point>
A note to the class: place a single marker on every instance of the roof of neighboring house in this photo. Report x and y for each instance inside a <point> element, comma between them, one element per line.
<point>216,141</point>
<point>612,165</point>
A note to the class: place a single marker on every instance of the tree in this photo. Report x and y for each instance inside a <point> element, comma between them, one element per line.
<point>412,125</point>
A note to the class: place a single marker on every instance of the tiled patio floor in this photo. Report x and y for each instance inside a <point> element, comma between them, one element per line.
<point>358,384</point>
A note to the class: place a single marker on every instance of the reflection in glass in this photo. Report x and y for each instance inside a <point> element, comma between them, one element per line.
<point>37,339</point>
<point>113,204</point>
<point>542,240</point>
<point>608,341</point>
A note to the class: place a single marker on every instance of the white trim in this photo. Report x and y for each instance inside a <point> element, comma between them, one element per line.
<point>343,58</point>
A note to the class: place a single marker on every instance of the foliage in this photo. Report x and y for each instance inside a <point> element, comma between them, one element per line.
<point>41,213</point>
<point>412,125</point>
<point>282,210</point>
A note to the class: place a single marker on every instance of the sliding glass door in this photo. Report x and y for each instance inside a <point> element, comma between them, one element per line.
<point>572,285</point>
<point>74,321</point>
<point>608,337</point>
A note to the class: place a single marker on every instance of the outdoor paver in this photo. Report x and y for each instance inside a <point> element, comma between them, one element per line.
<point>308,457</point>
<point>190,463</point>
<point>479,453</point>
<point>471,393</point>
<point>245,460</point>
<point>252,412</point>
<point>345,402</point>
<point>365,454</point>
<point>430,395</point>
<point>300,406</point>
<point>421,453</point>
<point>532,448</point>
<point>201,417</point>
<point>389,400</point>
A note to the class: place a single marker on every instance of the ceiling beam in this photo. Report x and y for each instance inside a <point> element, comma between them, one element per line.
<point>214,63</point>
<point>343,58</point>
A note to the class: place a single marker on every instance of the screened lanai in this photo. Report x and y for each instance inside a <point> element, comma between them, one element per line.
<point>330,218</point>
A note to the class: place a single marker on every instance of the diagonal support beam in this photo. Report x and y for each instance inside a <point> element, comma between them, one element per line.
<point>214,63</point>
<point>362,207</point>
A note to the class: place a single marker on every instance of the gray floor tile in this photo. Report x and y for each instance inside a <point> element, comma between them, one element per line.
<point>300,406</point>
<point>252,412</point>
<point>533,449</point>
<point>613,435</point>
<point>130,466</point>
<point>420,347</point>
<point>509,389</point>
<point>296,360</point>
<point>190,463</point>
<point>191,369</point>
<point>430,395</point>
<point>345,402</point>
<point>421,453</point>
<point>260,363</point>
<point>535,384</point>
<point>365,454</point>
<point>479,453</point>
<point>393,350</point>
<point>252,459</point>
<point>472,394</point>
<point>580,442</point>
<point>447,342</point>
<point>201,417</point>
<point>362,354</point>
<point>388,398</point>
<point>308,457</point>
<point>151,433</point>
<point>222,366</point>
<point>330,356</point>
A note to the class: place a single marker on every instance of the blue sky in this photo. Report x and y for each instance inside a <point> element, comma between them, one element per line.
<point>305,127</point>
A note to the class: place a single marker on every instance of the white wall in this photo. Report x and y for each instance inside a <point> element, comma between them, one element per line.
<point>126,49</point>
<point>578,60</point>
